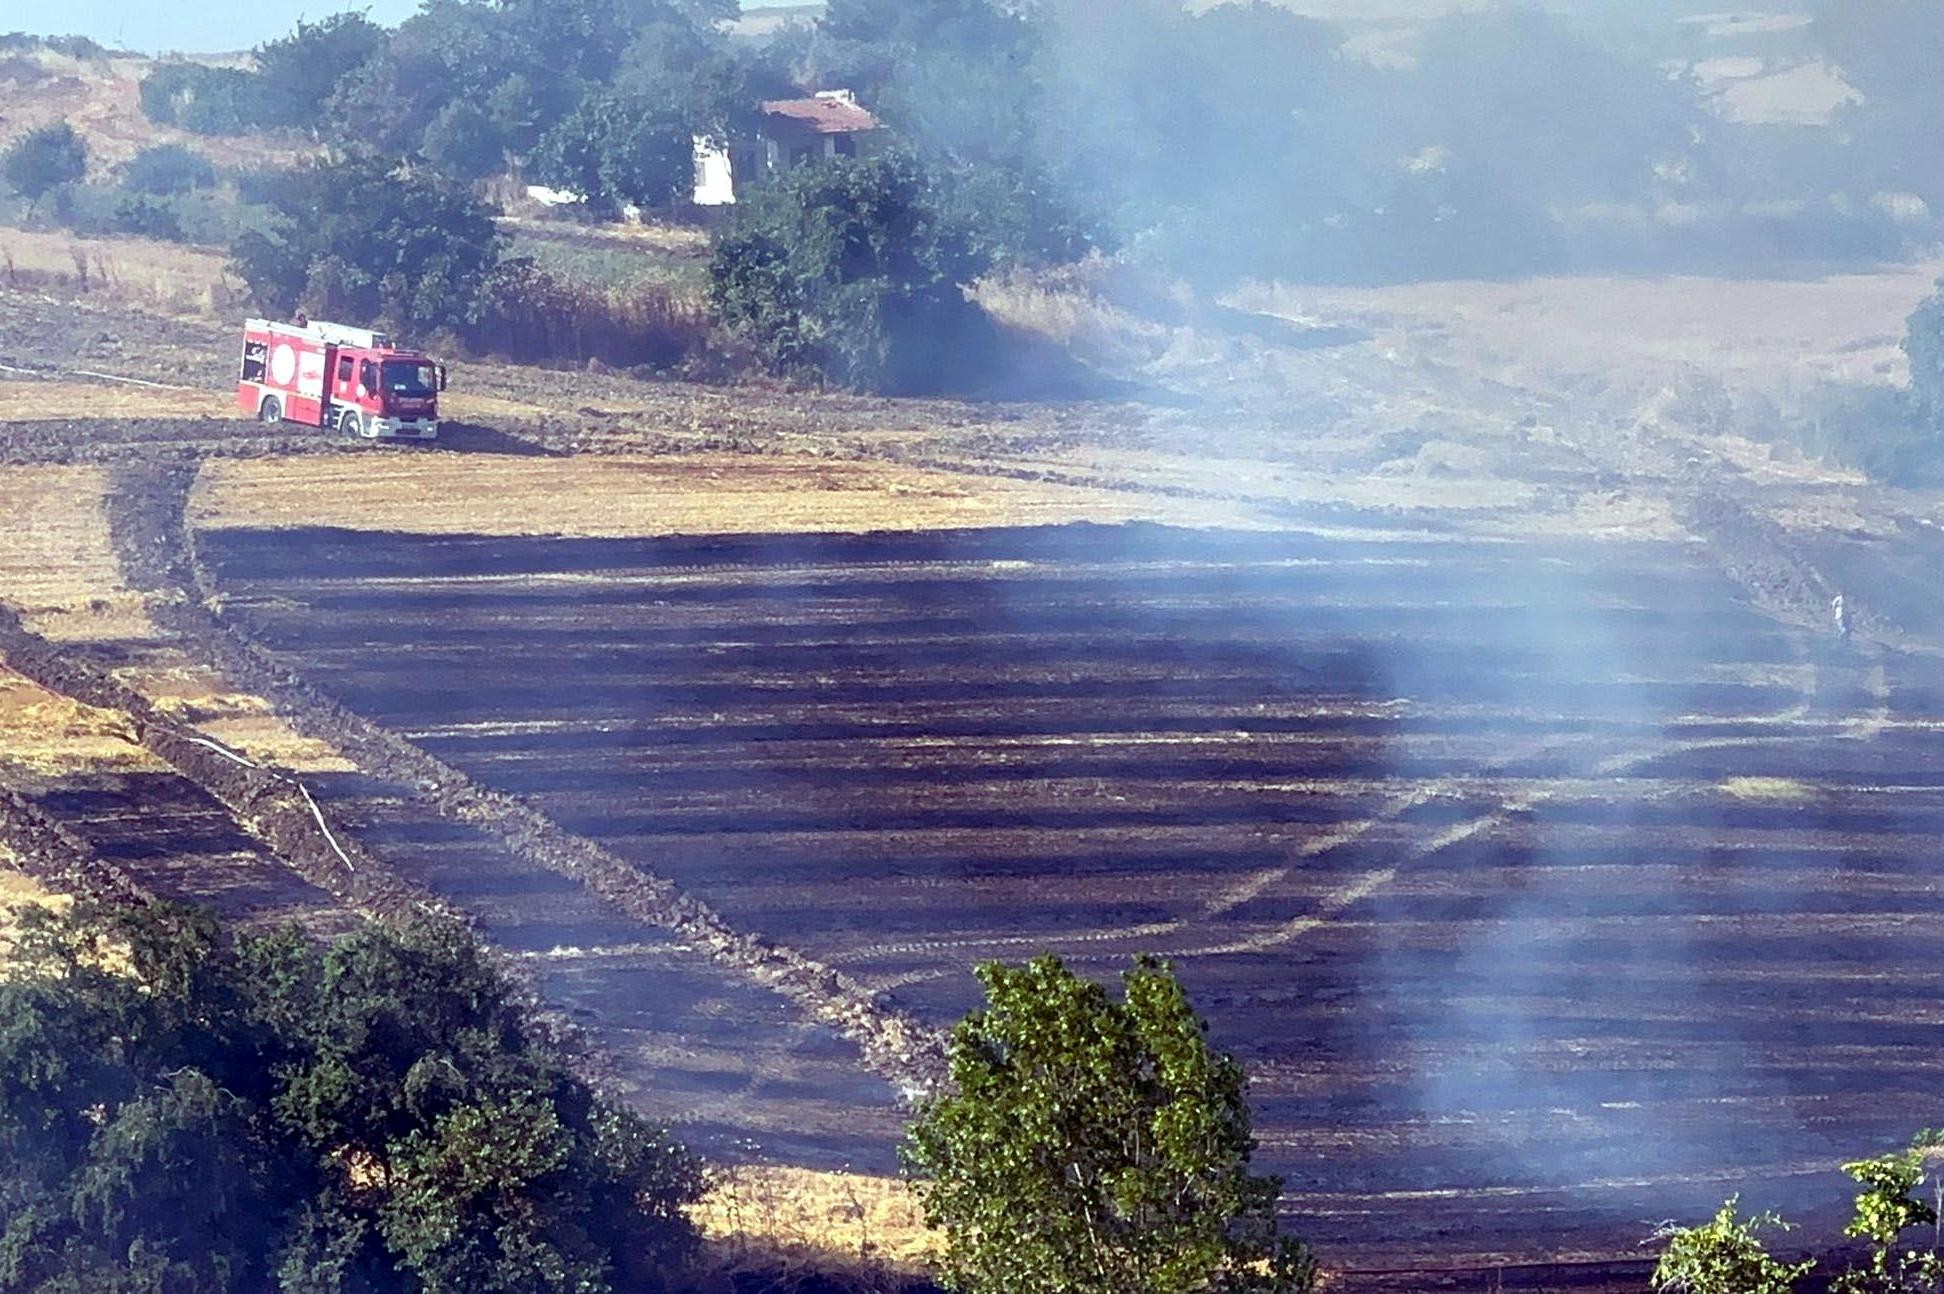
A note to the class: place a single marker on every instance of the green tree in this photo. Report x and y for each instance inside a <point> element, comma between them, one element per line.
<point>206,100</point>
<point>1724,1256</point>
<point>1887,1207</point>
<point>184,1114</point>
<point>464,141</point>
<point>1090,1146</point>
<point>1924,345</point>
<point>614,150</point>
<point>852,268</point>
<point>163,170</point>
<point>366,239</point>
<point>43,160</point>
<point>303,69</point>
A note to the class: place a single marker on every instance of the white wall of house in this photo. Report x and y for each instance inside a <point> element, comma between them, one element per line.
<point>715,176</point>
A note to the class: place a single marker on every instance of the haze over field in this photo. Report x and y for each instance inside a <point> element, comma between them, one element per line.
<point>1423,513</point>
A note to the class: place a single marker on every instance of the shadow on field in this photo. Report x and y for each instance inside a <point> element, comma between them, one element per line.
<point>471,438</point>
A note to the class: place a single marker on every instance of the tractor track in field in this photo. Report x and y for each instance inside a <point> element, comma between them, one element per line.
<point>158,550</point>
<point>129,442</point>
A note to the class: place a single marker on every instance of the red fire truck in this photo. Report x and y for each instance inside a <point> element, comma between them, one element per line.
<point>333,375</point>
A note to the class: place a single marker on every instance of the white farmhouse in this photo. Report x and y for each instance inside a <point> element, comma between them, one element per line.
<point>790,132</point>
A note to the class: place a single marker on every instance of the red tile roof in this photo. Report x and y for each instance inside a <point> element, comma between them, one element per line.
<point>825,116</point>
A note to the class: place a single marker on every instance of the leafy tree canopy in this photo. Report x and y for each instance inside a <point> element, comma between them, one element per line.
<point>1724,1255</point>
<point>363,239</point>
<point>1886,1207</point>
<point>206,100</point>
<point>166,169</point>
<point>1094,1146</point>
<point>852,268</point>
<point>614,150</point>
<point>301,70</point>
<point>43,160</point>
<point>185,1114</point>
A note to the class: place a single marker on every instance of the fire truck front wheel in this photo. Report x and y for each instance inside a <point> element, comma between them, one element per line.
<point>349,424</point>
<point>270,411</point>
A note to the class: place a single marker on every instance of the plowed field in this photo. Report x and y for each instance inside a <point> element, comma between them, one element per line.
<point>1545,887</point>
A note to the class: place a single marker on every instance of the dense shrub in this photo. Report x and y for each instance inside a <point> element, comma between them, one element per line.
<point>850,269</point>
<point>464,141</point>
<point>147,217</point>
<point>184,1113</point>
<point>81,47</point>
<point>206,100</point>
<point>363,239</point>
<point>43,160</point>
<point>616,151</point>
<point>20,70</point>
<point>165,169</point>
<point>1724,1255</point>
<point>299,72</point>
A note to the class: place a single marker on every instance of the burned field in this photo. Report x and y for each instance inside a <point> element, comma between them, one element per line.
<point>1483,756</point>
<point>1546,888</point>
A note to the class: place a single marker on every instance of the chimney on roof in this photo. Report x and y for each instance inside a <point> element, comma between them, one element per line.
<point>846,97</point>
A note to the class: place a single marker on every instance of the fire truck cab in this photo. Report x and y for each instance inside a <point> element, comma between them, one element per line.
<point>336,376</point>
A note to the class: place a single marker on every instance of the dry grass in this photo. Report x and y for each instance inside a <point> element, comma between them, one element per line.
<point>59,569</point>
<point>1075,311</point>
<point>1766,334</point>
<point>617,497</point>
<point>28,400</point>
<point>685,240</point>
<point>54,736</point>
<point>795,1219</point>
<point>57,564</point>
<point>165,276</point>
<point>242,720</point>
<point>17,891</point>
<point>1782,789</point>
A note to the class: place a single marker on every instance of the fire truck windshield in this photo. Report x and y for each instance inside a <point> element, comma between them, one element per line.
<point>411,380</point>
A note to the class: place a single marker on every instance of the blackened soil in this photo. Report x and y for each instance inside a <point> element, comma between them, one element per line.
<point>1547,890</point>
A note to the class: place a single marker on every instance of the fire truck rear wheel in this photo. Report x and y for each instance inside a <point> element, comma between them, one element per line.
<point>271,411</point>
<point>348,424</point>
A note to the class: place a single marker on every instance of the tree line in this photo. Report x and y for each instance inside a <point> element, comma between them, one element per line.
<point>185,1110</point>
<point>1210,142</point>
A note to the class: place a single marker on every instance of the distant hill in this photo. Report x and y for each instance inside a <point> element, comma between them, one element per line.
<point>100,96</point>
